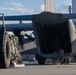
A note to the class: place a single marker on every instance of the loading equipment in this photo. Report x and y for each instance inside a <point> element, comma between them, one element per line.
<point>8,47</point>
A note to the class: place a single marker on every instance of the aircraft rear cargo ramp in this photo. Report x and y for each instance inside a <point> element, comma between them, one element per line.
<point>53,33</point>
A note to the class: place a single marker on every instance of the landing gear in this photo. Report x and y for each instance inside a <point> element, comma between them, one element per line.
<point>41,60</point>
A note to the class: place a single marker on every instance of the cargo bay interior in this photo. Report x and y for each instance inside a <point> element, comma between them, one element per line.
<point>53,36</point>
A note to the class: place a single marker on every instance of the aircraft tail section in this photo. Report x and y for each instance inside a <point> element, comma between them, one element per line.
<point>53,33</point>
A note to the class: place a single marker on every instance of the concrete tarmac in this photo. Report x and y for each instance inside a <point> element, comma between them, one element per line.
<point>35,69</point>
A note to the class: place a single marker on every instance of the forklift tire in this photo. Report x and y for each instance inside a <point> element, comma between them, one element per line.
<point>41,60</point>
<point>4,49</point>
<point>75,58</point>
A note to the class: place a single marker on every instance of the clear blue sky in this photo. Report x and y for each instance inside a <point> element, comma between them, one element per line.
<point>14,7</point>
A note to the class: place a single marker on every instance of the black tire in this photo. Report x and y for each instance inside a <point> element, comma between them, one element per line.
<point>41,60</point>
<point>75,58</point>
<point>4,49</point>
<point>65,61</point>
